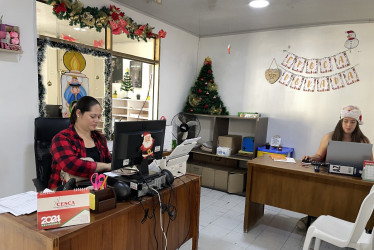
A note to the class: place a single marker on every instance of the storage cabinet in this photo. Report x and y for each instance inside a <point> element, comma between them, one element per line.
<point>130,110</point>
<point>214,126</point>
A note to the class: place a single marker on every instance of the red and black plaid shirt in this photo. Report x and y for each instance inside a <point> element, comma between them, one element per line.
<point>67,149</point>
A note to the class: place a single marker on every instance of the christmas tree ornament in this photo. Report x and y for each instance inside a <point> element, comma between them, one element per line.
<point>212,86</point>
<point>206,106</point>
<point>211,80</point>
<point>207,93</point>
<point>272,75</point>
<point>191,110</point>
<point>206,83</point>
<point>193,100</point>
<point>209,71</point>
<point>207,61</point>
<point>199,91</point>
<point>214,97</point>
<point>201,79</point>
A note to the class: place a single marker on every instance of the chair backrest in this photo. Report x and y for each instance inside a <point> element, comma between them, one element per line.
<point>363,216</point>
<point>45,130</point>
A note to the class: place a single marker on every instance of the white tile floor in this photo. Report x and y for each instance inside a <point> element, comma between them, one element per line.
<point>221,226</point>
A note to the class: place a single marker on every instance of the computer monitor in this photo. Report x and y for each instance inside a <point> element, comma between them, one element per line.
<point>137,143</point>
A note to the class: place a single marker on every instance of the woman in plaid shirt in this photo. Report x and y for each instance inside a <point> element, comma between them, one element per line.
<point>72,147</point>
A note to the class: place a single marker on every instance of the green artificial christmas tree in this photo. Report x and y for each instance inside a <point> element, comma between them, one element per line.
<point>127,83</point>
<point>203,97</point>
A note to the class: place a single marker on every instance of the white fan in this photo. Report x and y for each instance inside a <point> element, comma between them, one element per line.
<point>185,126</point>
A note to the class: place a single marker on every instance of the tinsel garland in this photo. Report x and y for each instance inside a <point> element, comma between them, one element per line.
<point>43,43</point>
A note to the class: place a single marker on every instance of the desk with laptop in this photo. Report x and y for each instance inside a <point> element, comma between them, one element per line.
<point>299,188</point>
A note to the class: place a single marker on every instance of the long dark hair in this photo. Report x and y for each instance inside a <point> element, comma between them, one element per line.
<point>84,104</point>
<point>357,135</point>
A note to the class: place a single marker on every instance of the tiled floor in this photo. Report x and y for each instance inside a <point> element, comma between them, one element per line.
<point>221,226</point>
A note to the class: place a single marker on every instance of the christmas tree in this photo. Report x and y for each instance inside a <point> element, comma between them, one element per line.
<point>204,98</point>
<point>127,83</point>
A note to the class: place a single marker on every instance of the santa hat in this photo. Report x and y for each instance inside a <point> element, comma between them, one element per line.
<point>145,134</point>
<point>352,112</point>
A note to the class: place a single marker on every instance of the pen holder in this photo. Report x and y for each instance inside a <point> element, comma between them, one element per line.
<point>102,200</point>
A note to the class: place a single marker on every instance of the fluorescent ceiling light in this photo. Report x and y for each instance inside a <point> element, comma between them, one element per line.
<point>259,3</point>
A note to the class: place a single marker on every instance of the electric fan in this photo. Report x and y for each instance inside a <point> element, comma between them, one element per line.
<point>185,126</point>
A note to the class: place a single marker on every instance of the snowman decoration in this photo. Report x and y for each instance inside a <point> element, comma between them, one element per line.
<point>352,41</point>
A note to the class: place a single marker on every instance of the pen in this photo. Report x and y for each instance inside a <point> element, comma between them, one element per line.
<point>103,185</point>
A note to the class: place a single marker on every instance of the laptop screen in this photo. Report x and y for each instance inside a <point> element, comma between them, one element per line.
<point>350,154</point>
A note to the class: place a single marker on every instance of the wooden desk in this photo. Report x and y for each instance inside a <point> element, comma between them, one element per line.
<point>119,228</point>
<point>300,189</point>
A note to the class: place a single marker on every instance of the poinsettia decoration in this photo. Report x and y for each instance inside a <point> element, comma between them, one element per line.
<point>93,17</point>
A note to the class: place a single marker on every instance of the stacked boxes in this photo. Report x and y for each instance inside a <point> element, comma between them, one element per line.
<point>229,144</point>
<point>229,180</point>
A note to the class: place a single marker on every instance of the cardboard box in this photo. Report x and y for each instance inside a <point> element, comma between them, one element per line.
<point>230,141</point>
<point>194,169</point>
<point>207,178</point>
<point>230,180</point>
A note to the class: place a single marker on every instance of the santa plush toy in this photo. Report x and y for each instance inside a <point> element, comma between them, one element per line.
<point>147,145</point>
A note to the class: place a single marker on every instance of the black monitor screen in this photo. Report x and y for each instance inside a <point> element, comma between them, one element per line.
<point>135,141</point>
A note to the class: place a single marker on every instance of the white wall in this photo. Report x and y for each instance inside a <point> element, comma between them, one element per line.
<point>300,118</point>
<point>19,101</point>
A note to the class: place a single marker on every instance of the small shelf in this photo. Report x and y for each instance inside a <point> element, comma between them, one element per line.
<point>11,51</point>
<point>235,157</point>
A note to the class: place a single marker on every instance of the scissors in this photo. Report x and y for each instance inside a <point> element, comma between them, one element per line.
<point>97,180</point>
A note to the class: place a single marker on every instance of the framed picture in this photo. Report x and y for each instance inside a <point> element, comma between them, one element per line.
<point>117,66</point>
<point>136,73</point>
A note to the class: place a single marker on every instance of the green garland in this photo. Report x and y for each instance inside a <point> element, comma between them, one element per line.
<point>93,17</point>
<point>43,43</point>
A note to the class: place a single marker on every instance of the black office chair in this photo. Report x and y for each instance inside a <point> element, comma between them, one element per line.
<point>45,129</point>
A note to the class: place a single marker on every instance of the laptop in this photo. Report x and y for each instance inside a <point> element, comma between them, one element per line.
<point>347,157</point>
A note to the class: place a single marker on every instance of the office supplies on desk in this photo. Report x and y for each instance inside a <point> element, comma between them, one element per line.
<point>19,204</point>
<point>347,157</point>
<point>97,180</point>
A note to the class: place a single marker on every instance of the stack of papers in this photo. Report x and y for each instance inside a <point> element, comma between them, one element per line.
<point>282,158</point>
<point>19,204</point>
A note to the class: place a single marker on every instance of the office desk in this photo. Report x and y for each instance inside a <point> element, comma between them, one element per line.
<point>119,228</point>
<point>300,189</point>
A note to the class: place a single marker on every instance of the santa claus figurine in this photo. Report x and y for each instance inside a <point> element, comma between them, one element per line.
<point>147,145</point>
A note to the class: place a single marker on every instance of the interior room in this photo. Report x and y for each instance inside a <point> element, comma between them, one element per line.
<point>242,44</point>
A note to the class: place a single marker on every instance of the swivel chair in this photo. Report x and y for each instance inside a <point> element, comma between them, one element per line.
<point>45,130</point>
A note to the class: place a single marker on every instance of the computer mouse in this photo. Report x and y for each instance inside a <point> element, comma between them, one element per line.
<point>169,176</point>
<point>122,190</point>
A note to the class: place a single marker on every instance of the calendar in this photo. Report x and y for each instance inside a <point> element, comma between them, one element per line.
<point>63,208</point>
<point>368,171</point>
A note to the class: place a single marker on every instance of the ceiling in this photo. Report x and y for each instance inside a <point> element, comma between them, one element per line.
<point>221,17</point>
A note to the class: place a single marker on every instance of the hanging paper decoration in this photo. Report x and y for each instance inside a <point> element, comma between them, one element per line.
<point>352,41</point>
<point>311,66</point>
<point>341,60</point>
<point>285,78</point>
<point>299,64</point>
<point>337,81</point>
<point>323,84</point>
<point>289,60</point>
<point>272,75</point>
<point>229,49</point>
<point>309,84</point>
<point>297,82</point>
<point>350,76</point>
<point>68,38</point>
<point>98,44</point>
<point>325,65</point>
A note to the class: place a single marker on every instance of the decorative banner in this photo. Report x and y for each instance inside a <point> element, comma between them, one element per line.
<point>285,78</point>
<point>289,60</point>
<point>311,66</point>
<point>350,76</point>
<point>325,65</point>
<point>296,82</point>
<point>299,64</point>
<point>309,84</point>
<point>337,81</point>
<point>341,60</point>
<point>323,84</point>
